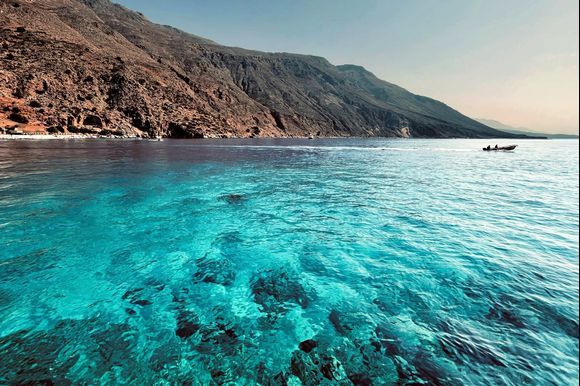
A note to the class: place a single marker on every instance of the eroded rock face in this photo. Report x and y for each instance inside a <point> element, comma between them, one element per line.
<point>121,72</point>
<point>93,120</point>
<point>18,117</point>
<point>185,130</point>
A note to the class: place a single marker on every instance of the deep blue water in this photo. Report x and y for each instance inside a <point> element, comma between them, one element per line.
<point>209,262</point>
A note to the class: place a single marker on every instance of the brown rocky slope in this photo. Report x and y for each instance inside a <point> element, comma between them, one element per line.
<point>96,67</point>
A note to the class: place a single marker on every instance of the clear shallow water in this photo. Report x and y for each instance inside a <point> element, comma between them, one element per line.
<point>209,262</point>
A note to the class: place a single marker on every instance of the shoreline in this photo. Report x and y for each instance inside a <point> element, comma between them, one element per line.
<point>38,137</point>
<point>48,137</point>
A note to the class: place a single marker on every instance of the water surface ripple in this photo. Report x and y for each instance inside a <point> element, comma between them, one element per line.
<point>278,262</point>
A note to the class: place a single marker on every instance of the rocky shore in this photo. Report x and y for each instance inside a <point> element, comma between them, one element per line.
<point>63,136</point>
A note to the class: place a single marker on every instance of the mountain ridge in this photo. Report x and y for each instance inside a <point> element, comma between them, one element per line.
<point>523,130</point>
<point>95,66</point>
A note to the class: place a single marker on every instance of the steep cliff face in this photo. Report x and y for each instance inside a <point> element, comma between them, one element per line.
<point>93,66</point>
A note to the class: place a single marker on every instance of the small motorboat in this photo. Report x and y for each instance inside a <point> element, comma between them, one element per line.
<point>502,148</point>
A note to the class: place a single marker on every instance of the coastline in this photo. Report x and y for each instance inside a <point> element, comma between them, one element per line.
<point>38,137</point>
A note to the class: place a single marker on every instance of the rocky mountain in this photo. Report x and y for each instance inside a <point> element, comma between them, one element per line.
<point>523,131</point>
<point>96,67</point>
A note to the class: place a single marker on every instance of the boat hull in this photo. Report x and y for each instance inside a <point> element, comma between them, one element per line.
<point>503,148</point>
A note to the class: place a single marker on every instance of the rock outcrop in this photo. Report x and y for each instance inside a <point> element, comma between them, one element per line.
<point>92,66</point>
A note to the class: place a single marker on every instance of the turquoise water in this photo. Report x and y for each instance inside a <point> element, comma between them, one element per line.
<point>277,262</point>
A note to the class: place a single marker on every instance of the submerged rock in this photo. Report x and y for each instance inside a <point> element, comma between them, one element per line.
<point>167,355</point>
<point>386,341</point>
<point>219,338</point>
<point>429,369</point>
<point>360,379</point>
<point>263,377</point>
<point>187,324</point>
<point>280,379</point>
<point>114,344</point>
<point>306,368</point>
<point>135,296</point>
<point>353,325</point>
<point>365,362</point>
<point>155,284</point>
<point>332,369</point>
<point>232,198</point>
<point>275,291</point>
<point>340,326</point>
<point>313,368</point>
<point>502,314</point>
<point>49,357</point>
<point>33,358</point>
<point>308,345</point>
<point>218,271</point>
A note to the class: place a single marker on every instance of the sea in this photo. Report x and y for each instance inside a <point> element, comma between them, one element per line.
<point>289,262</point>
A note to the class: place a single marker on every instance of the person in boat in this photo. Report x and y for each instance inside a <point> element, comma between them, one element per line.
<point>488,147</point>
<point>495,147</point>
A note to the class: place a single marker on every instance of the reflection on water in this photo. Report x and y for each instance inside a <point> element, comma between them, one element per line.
<point>294,262</point>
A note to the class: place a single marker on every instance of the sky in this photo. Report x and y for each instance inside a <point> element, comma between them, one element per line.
<point>514,61</point>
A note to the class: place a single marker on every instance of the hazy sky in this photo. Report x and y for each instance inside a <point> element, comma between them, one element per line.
<point>515,61</point>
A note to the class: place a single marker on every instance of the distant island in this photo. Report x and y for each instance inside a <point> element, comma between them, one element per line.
<point>522,130</point>
<point>96,68</point>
